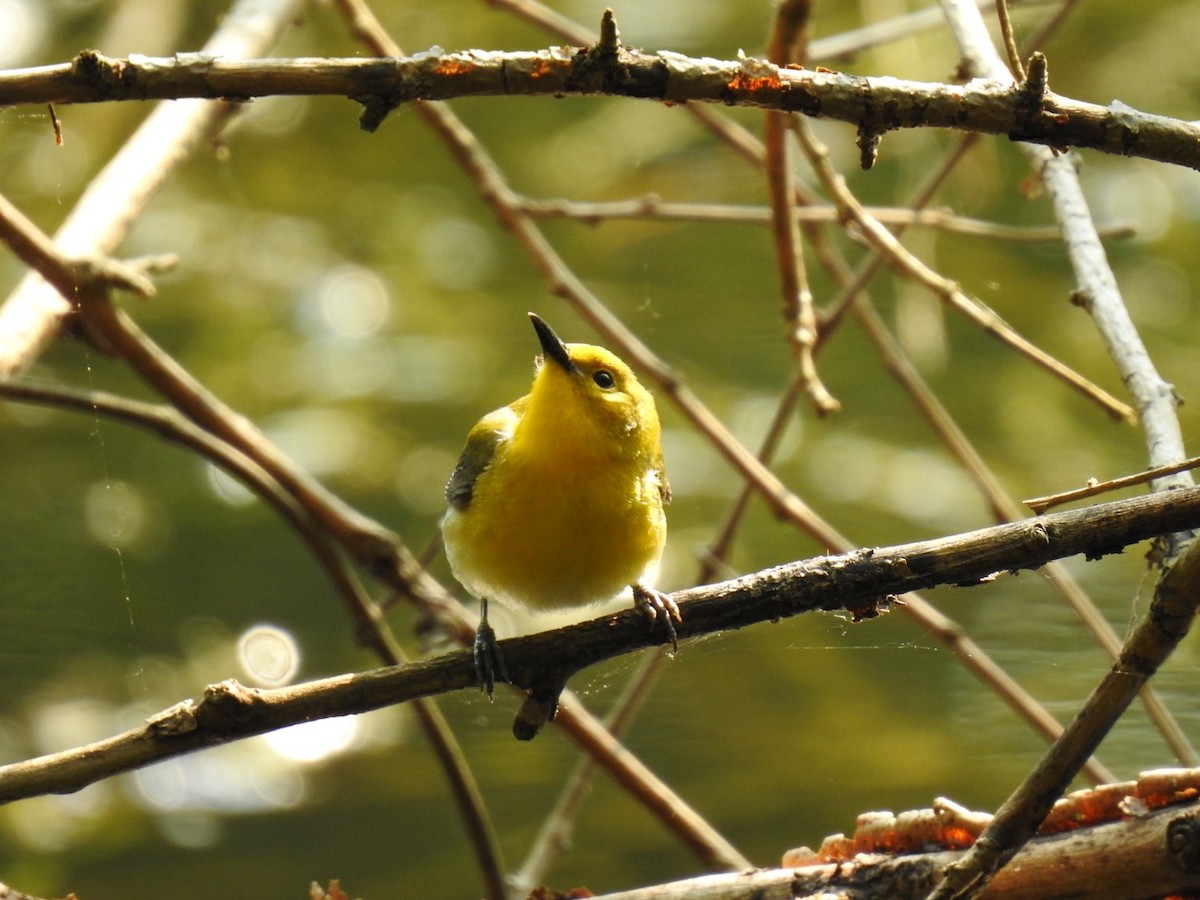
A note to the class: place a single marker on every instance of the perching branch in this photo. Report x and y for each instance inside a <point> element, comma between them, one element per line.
<point>861,583</point>
<point>873,105</point>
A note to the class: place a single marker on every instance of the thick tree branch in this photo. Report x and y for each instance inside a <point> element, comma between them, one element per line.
<point>1150,856</point>
<point>1027,112</point>
<point>861,583</point>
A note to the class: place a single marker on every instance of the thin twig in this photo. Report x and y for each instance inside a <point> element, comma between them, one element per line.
<point>836,46</point>
<point>1095,488</point>
<point>651,206</point>
<point>787,44</point>
<point>1010,41</point>
<point>943,288</point>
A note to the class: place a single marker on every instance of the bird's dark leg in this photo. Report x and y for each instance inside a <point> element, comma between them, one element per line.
<point>489,661</point>
<point>659,607</point>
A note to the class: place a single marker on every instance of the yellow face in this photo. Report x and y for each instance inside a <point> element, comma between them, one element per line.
<point>601,395</point>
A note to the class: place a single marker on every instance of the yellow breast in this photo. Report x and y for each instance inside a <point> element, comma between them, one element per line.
<point>548,533</point>
<point>558,499</point>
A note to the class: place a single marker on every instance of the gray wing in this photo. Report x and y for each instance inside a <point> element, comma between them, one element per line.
<point>489,433</point>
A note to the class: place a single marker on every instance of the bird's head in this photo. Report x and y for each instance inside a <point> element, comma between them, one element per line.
<point>593,393</point>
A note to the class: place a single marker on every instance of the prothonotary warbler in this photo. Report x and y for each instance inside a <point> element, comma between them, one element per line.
<point>557,500</point>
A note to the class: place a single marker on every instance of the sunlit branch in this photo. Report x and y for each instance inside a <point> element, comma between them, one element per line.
<point>1095,488</point>
<point>875,105</point>
<point>786,45</point>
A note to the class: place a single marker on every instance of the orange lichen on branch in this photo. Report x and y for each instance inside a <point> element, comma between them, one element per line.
<point>744,82</point>
<point>454,66</point>
<point>948,826</point>
<point>1111,802</point>
<point>755,76</point>
<point>541,68</point>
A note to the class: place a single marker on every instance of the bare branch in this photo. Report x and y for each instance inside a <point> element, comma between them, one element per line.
<point>1097,290</point>
<point>946,290</point>
<point>874,105</point>
<point>652,206</point>
<point>1094,487</point>
<point>787,45</point>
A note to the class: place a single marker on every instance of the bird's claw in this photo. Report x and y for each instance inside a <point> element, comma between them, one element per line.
<point>659,607</point>
<point>489,660</point>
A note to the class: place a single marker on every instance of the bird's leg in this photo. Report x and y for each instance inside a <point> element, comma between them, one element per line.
<point>489,661</point>
<point>658,607</point>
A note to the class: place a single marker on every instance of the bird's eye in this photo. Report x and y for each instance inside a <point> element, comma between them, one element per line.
<point>604,379</point>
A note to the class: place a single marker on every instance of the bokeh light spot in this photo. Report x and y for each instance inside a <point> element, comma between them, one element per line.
<point>269,655</point>
<point>313,741</point>
<point>353,301</point>
<point>227,488</point>
<point>114,513</point>
<point>23,31</point>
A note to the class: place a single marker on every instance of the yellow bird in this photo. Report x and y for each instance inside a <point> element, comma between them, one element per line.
<point>557,500</point>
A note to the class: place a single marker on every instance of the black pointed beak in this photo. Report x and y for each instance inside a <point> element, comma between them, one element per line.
<point>552,347</point>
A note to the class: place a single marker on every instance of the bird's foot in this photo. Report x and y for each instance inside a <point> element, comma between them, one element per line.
<point>489,660</point>
<point>658,607</point>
